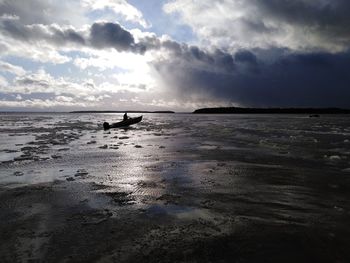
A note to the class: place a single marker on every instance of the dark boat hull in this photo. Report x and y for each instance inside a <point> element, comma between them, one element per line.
<point>121,124</point>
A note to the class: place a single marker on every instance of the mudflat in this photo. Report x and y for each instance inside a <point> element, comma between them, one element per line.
<point>174,188</point>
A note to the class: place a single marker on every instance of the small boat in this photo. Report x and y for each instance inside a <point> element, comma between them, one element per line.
<point>122,124</point>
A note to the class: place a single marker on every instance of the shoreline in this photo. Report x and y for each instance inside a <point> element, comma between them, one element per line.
<point>237,110</point>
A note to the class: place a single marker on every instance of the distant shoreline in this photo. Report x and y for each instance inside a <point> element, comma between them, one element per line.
<point>218,110</point>
<point>131,111</point>
<point>238,110</point>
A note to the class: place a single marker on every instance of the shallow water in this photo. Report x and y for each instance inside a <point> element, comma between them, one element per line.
<point>222,171</point>
<point>47,147</point>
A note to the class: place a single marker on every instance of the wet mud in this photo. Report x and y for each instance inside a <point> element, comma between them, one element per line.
<point>181,188</point>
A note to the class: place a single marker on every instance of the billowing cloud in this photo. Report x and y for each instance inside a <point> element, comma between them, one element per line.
<point>297,24</point>
<point>45,12</point>
<point>108,35</point>
<point>42,82</point>
<point>12,27</point>
<point>294,79</point>
<point>100,35</point>
<point>249,53</point>
<point>13,69</point>
<point>3,82</point>
<point>119,7</point>
<point>195,75</point>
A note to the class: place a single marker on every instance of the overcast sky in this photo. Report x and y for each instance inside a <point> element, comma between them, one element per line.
<point>58,55</point>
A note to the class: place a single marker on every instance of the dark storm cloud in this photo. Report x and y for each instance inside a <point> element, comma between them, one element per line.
<point>224,60</point>
<point>319,12</point>
<point>247,77</point>
<point>271,76</point>
<point>248,61</point>
<point>100,35</point>
<point>106,35</point>
<point>319,80</point>
<point>12,27</point>
<point>328,18</point>
<point>193,56</point>
<point>246,56</point>
<point>68,35</point>
<point>294,24</point>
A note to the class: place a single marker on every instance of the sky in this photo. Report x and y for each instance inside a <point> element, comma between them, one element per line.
<point>60,55</point>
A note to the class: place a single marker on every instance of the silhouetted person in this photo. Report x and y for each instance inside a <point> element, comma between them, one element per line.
<point>125,116</point>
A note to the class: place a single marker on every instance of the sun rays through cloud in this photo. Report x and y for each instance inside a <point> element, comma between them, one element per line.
<point>177,55</point>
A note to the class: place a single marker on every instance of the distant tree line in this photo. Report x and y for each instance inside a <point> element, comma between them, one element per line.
<point>230,110</point>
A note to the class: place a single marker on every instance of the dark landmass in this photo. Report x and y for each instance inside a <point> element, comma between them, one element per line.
<point>128,111</point>
<point>233,110</point>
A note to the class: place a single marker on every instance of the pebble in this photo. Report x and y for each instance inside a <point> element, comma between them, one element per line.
<point>63,149</point>
<point>103,146</point>
<point>334,157</point>
<point>81,172</point>
<point>18,173</point>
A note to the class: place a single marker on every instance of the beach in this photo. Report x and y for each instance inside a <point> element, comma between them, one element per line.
<point>174,188</point>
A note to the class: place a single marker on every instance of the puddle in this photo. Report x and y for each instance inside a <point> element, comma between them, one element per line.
<point>179,212</point>
<point>208,147</point>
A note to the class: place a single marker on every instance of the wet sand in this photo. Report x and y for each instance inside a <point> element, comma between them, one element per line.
<point>187,189</point>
